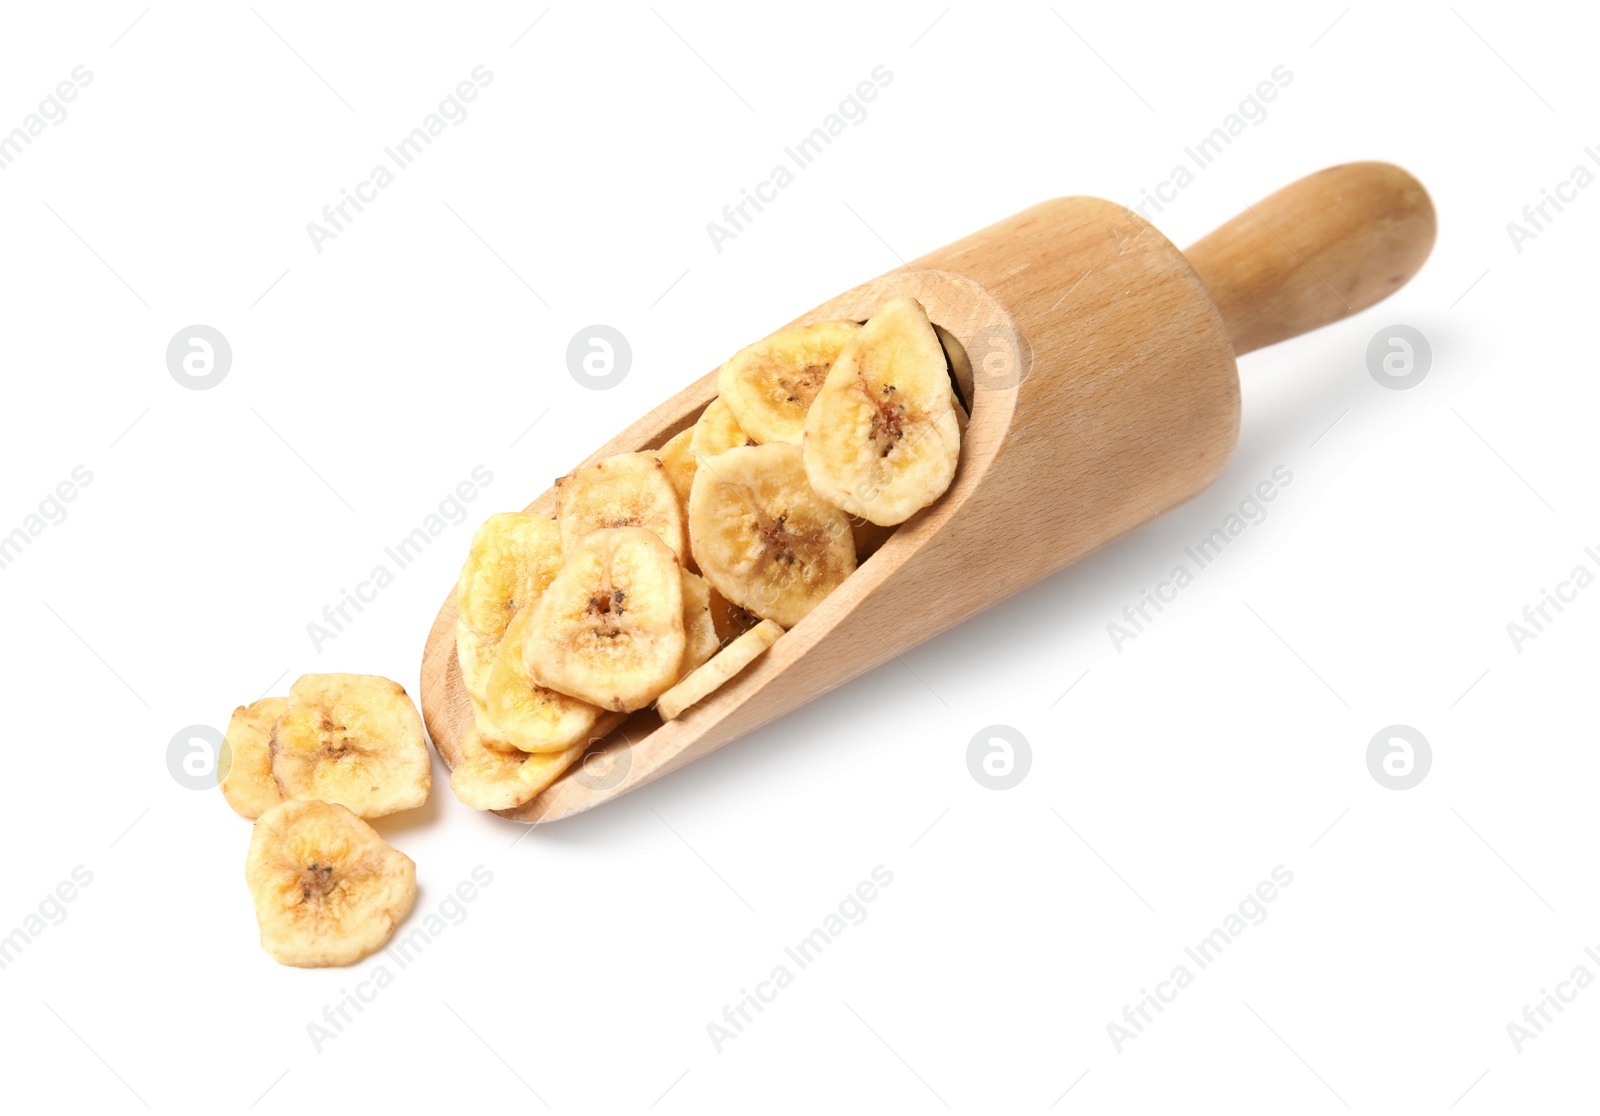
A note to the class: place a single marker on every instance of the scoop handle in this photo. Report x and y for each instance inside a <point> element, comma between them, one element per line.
<point>1318,250</point>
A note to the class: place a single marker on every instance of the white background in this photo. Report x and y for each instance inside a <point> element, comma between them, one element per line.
<point>369,379</point>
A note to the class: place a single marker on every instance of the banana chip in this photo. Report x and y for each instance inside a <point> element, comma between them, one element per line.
<point>501,779</point>
<point>354,740</point>
<point>328,890</point>
<point>762,537</point>
<point>517,715</point>
<point>678,457</point>
<point>513,558</point>
<point>722,666</point>
<point>960,367</point>
<point>624,490</point>
<point>609,630</point>
<point>769,386</point>
<point>475,655</point>
<point>699,629</point>
<point>248,785</point>
<point>716,431</point>
<point>881,440</point>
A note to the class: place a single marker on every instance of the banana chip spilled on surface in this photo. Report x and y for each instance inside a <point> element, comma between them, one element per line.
<point>328,890</point>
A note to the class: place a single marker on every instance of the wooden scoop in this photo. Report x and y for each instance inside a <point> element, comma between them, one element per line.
<point>1105,392</point>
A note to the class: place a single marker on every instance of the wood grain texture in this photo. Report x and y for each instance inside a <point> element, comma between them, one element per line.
<point>1318,250</point>
<point>1106,393</point>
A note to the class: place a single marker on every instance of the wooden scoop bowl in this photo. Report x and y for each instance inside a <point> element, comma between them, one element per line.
<point>1105,393</point>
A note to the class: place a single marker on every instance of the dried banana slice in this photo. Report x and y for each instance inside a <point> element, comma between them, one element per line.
<point>354,740</point>
<point>519,716</point>
<point>678,458</point>
<point>513,558</point>
<point>769,386</point>
<point>609,630</point>
<point>328,890</point>
<point>722,666</point>
<point>699,629</point>
<point>763,538</point>
<point>716,431</point>
<point>881,439</point>
<point>475,655</point>
<point>497,779</point>
<point>624,490</point>
<point>248,785</point>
